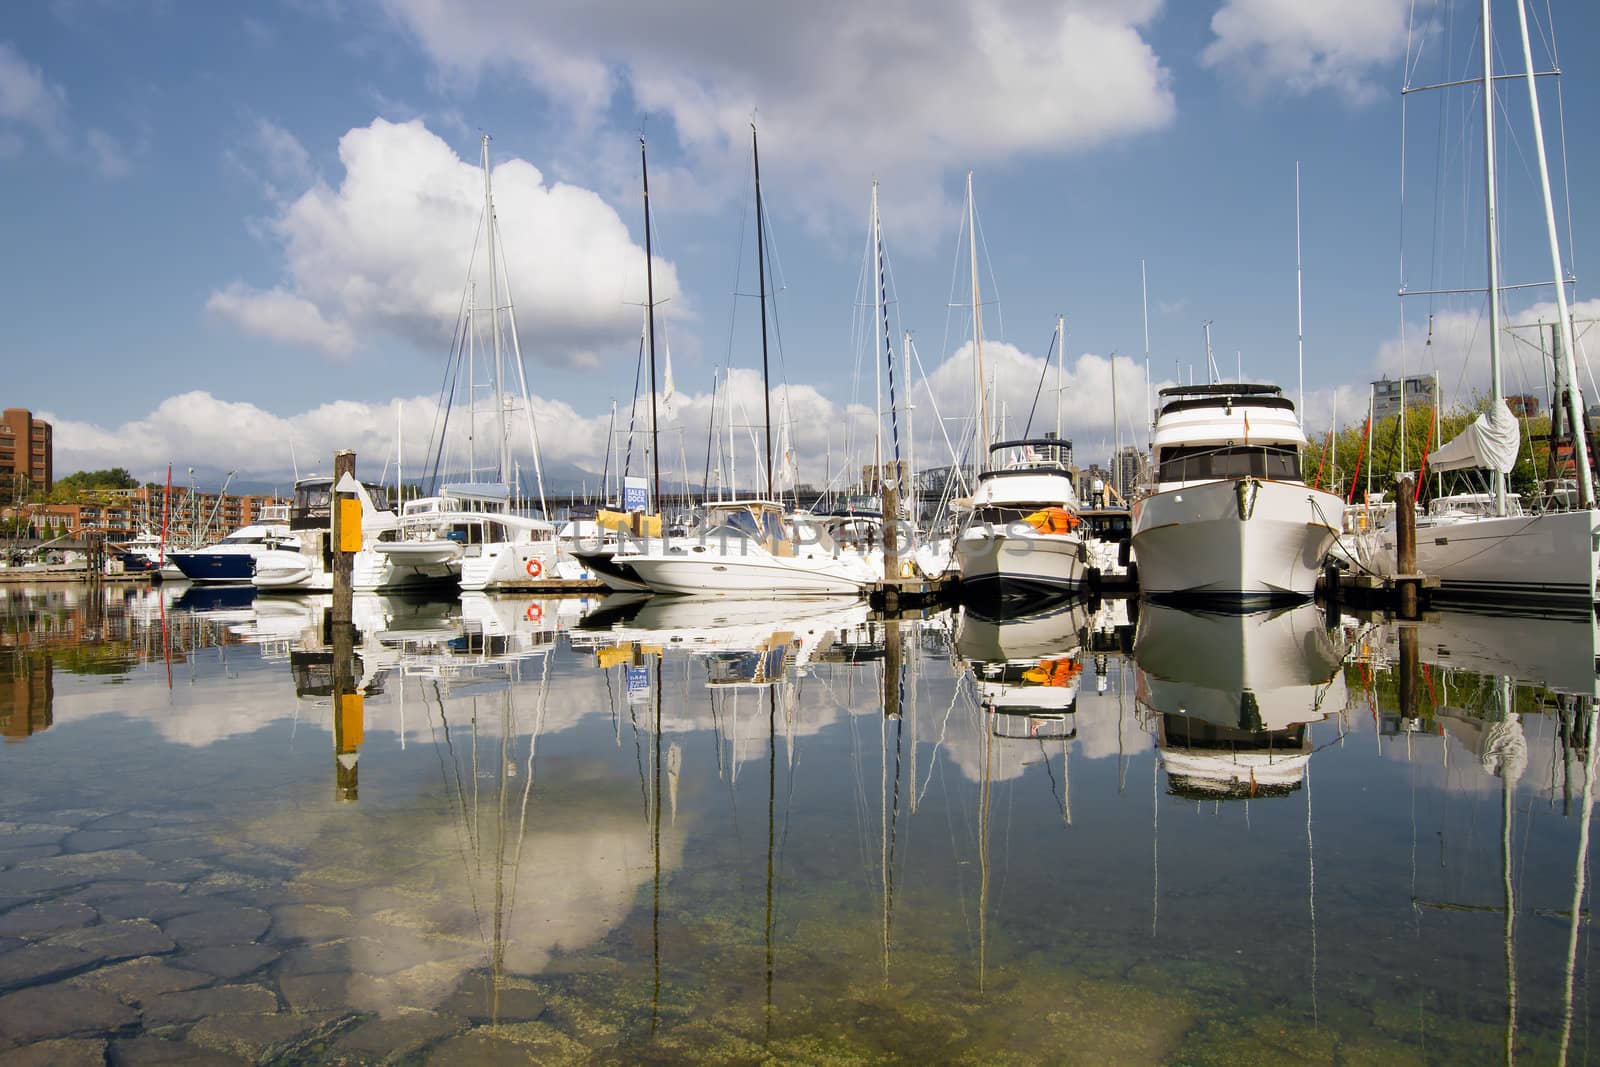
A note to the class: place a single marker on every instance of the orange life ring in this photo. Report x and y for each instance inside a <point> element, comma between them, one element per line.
<point>535,568</point>
<point>535,613</point>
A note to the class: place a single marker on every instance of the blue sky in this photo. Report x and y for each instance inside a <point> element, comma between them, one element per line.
<point>185,228</point>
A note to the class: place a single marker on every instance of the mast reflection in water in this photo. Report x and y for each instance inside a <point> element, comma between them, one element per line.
<point>1090,832</point>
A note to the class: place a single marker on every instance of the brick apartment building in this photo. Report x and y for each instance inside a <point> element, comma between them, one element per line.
<point>25,449</point>
<point>122,514</point>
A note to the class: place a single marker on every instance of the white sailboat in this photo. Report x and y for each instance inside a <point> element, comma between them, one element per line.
<point>471,528</point>
<point>1231,518</point>
<point>1552,559</point>
<point>754,547</point>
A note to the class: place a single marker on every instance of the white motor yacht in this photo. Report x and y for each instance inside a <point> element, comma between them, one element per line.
<point>1023,538</point>
<point>307,568</point>
<point>233,558</point>
<point>470,532</point>
<point>1231,519</point>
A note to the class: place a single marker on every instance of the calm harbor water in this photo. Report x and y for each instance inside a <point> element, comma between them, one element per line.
<point>568,831</point>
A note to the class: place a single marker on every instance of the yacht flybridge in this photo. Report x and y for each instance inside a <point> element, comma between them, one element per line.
<point>1023,537</point>
<point>1231,518</point>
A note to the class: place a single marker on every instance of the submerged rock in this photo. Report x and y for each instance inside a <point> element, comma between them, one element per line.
<point>61,1010</point>
<point>484,1050</point>
<point>152,1050</point>
<point>118,940</point>
<point>227,961</point>
<point>143,978</point>
<point>263,1037</point>
<point>61,1052</point>
<point>315,992</point>
<point>42,962</point>
<point>479,1002</point>
<point>217,926</point>
<point>47,917</point>
<point>96,840</point>
<point>192,1004</point>
<point>385,1040</point>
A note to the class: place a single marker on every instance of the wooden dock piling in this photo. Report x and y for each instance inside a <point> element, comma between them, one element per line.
<point>1405,545</point>
<point>349,712</point>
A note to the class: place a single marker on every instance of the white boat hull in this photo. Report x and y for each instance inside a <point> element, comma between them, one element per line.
<point>375,573</point>
<point>1001,565</point>
<point>290,572</point>
<point>1550,560</point>
<point>508,565</point>
<point>755,574</point>
<point>1203,542</point>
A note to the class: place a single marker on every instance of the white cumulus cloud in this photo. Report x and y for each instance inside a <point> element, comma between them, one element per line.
<point>1456,343</point>
<point>388,250</point>
<point>904,89</point>
<point>1303,46</point>
<point>28,98</point>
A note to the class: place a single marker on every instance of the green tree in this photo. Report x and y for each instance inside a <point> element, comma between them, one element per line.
<point>81,486</point>
<point>1350,447</point>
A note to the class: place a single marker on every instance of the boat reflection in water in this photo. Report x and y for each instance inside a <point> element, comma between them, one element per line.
<point>1027,668</point>
<point>1233,694</point>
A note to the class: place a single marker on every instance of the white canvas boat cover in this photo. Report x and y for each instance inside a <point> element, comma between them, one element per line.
<point>1490,442</point>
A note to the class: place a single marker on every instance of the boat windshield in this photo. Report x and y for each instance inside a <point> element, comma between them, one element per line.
<point>768,527</point>
<point>242,540</point>
<point>1199,463</point>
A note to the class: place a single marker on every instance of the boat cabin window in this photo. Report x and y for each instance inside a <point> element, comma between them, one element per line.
<point>770,525</point>
<point>1111,527</point>
<point>1199,463</point>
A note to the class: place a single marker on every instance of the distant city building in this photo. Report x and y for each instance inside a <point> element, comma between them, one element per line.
<point>1132,470</point>
<point>25,450</point>
<point>1524,405</point>
<point>1389,395</point>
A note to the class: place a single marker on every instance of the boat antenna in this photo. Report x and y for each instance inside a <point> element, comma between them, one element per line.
<point>761,271</point>
<point>1149,397</point>
<point>1211,364</point>
<point>293,462</point>
<point>650,315</point>
<point>1299,303</point>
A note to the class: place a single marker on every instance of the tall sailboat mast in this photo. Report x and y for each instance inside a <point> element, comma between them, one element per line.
<point>650,315</point>
<point>501,429</point>
<point>982,435</point>
<point>1580,434</point>
<point>1496,386</point>
<point>877,337</point>
<point>761,274</point>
